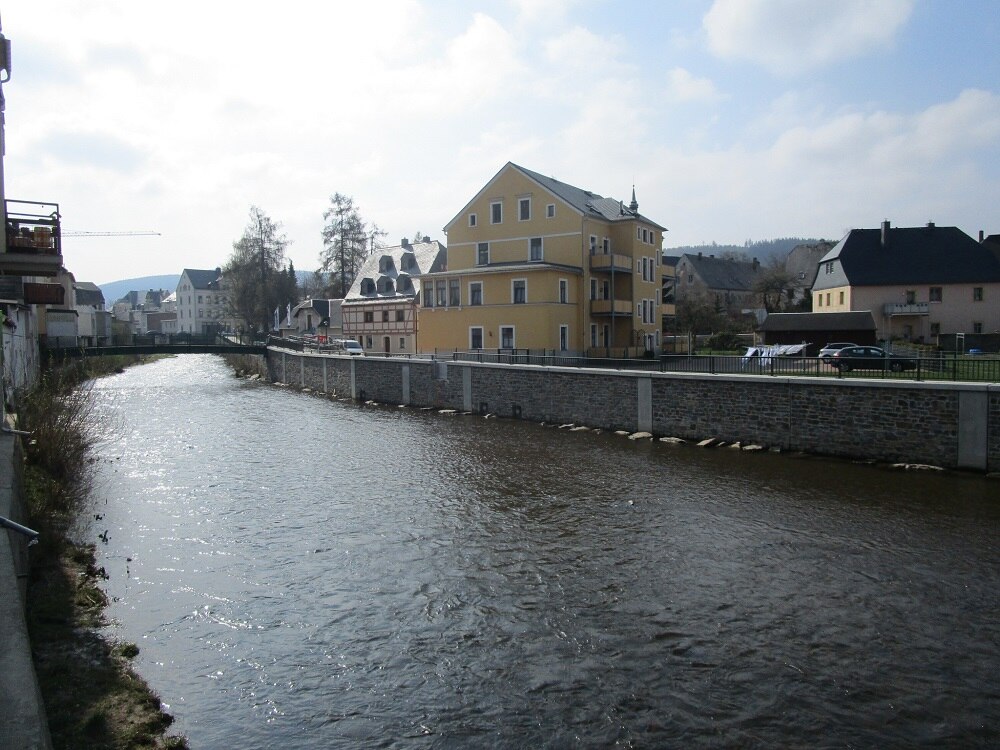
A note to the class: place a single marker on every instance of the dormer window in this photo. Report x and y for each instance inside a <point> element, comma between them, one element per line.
<point>404,284</point>
<point>408,262</point>
<point>385,285</point>
<point>386,264</point>
<point>367,286</point>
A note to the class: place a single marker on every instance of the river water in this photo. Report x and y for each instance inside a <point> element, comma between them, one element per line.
<point>306,573</point>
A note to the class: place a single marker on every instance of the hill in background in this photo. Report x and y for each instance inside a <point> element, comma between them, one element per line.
<point>115,290</point>
<point>762,250</point>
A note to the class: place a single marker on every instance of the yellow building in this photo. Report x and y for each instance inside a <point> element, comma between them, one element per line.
<point>536,264</point>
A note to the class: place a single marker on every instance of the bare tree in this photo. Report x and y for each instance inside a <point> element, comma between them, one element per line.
<point>255,272</point>
<point>775,286</point>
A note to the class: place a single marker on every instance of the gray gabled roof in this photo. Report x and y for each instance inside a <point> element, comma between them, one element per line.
<point>585,201</point>
<point>723,273</point>
<point>203,279</point>
<point>913,255</point>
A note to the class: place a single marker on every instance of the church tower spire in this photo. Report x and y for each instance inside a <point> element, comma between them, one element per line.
<point>634,205</point>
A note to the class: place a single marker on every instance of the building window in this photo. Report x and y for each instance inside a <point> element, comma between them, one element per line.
<point>841,298</point>
<point>935,329</point>
<point>496,212</point>
<point>977,294</point>
<point>911,297</point>
<point>977,327</point>
<point>593,245</point>
<point>475,292</point>
<point>519,291</point>
<point>429,295</point>
<point>563,291</point>
<point>402,344</point>
<point>935,294</point>
<point>454,294</point>
<point>483,253</point>
<point>829,266</point>
<point>369,316</point>
<point>563,338</point>
<point>506,337</point>
<point>593,334</point>
<point>368,342</point>
<point>472,220</point>
<point>819,300</point>
<point>607,246</point>
<point>476,337</point>
<point>550,211</point>
<point>535,248</point>
<point>593,288</point>
<point>524,209</point>
<point>441,299</point>
<point>400,316</point>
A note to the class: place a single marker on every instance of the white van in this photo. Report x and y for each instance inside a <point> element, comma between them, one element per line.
<point>352,347</point>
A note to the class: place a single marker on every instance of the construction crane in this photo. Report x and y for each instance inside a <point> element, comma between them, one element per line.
<point>81,233</point>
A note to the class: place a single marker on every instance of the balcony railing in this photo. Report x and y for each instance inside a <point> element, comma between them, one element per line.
<point>913,308</point>
<point>610,307</point>
<point>608,262</point>
<point>32,241</point>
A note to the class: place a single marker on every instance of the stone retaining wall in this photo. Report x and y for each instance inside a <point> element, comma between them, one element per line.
<point>953,425</point>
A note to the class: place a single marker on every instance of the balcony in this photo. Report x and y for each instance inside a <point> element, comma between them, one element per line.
<point>32,242</point>
<point>608,262</point>
<point>610,307</point>
<point>914,308</point>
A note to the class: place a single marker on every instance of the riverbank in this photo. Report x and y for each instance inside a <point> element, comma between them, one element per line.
<point>92,697</point>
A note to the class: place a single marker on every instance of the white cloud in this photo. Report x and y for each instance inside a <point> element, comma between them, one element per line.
<point>791,36</point>
<point>682,86</point>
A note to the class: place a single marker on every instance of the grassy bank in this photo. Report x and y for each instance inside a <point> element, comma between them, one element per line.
<point>93,699</point>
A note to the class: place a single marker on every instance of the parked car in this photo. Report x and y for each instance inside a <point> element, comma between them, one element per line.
<point>349,346</point>
<point>830,349</point>
<point>868,358</point>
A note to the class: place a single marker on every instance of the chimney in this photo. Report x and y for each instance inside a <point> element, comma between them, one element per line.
<point>981,237</point>
<point>930,225</point>
<point>405,242</point>
<point>885,233</point>
<point>756,264</point>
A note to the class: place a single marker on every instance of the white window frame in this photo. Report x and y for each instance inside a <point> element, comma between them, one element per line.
<point>482,340</point>
<point>513,337</point>
<point>550,211</point>
<point>473,284</point>
<point>563,291</point>
<point>593,244</point>
<point>541,249</point>
<point>521,203</point>
<point>472,220</point>
<point>513,293</point>
<point>496,207</point>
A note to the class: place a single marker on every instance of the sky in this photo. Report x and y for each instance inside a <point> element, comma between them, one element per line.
<point>734,120</point>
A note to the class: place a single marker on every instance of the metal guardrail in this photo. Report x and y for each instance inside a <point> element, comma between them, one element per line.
<point>15,526</point>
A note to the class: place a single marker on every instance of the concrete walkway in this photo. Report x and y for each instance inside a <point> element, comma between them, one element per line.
<point>22,715</point>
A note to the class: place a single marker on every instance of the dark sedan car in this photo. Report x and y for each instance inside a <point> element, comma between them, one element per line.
<point>868,358</point>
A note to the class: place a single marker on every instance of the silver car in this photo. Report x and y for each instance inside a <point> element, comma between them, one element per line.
<point>830,349</point>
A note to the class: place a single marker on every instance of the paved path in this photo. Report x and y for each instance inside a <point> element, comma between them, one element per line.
<point>22,715</point>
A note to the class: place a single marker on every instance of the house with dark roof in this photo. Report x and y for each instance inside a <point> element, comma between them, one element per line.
<point>728,281</point>
<point>380,310</point>
<point>918,282</point>
<point>202,302</point>
<point>321,317</point>
<point>535,263</point>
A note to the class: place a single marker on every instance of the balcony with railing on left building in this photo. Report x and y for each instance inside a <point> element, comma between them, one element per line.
<point>32,242</point>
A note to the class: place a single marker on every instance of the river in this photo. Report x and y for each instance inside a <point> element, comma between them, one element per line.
<point>307,573</point>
